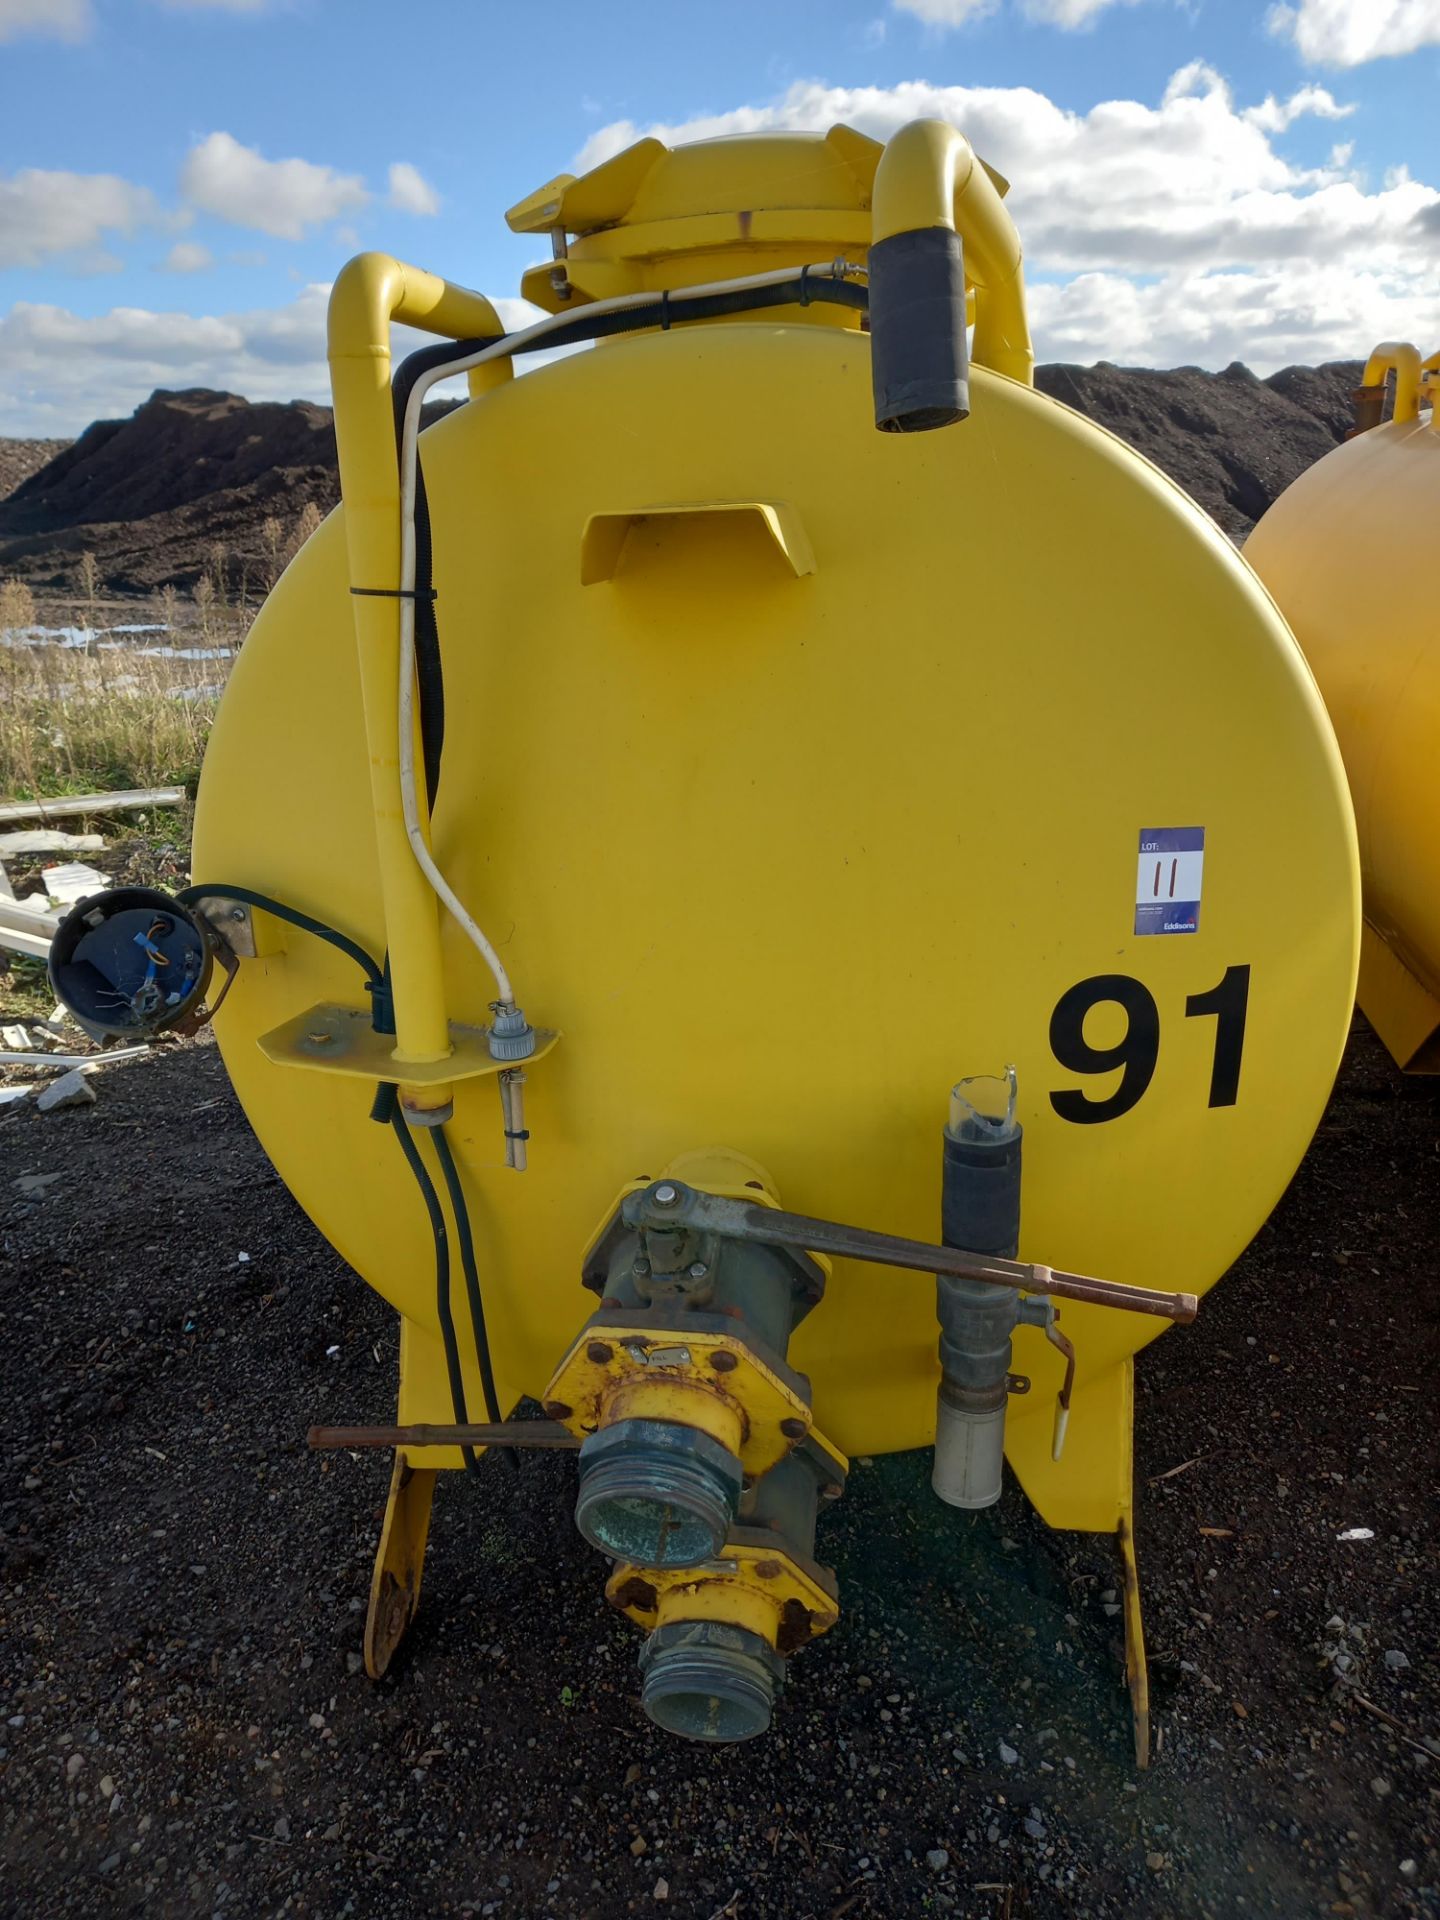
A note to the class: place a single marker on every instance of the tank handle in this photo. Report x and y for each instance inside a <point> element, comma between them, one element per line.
<point>776,521</point>
<point>929,177</point>
<point>1399,357</point>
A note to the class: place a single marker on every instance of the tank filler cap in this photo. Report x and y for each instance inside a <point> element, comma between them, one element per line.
<point>653,217</point>
<point>511,1035</point>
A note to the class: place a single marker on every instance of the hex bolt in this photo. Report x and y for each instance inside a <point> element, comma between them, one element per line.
<point>723,1361</point>
<point>599,1353</point>
<point>665,1196</point>
<point>793,1429</point>
<point>699,1270</point>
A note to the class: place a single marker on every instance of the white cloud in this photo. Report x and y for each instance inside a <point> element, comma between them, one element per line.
<point>946,13</point>
<point>188,256</point>
<point>1190,233</point>
<point>1347,33</point>
<point>1071,14</point>
<point>45,213</point>
<point>51,19</point>
<point>410,191</point>
<point>281,197</point>
<point>1277,116</point>
<point>60,370</point>
<point>1068,14</point>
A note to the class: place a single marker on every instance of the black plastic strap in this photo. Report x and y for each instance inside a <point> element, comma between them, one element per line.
<point>394,593</point>
<point>664,311</point>
<point>511,1134</point>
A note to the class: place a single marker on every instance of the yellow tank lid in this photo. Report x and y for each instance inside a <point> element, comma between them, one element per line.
<point>654,217</point>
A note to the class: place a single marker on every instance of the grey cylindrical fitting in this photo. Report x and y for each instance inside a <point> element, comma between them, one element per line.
<point>969,1454</point>
<point>709,1681</point>
<point>980,1210</point>
<point>919,357</point>
<point>656,1493</point>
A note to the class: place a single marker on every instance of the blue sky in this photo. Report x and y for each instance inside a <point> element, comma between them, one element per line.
<point>1194,180</point>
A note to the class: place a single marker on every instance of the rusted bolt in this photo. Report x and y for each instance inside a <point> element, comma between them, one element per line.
<point>768,1569</point>
<point>636,1593</point>
<point>832,1492</point>
<point>599,1352</point>
<point>557,1410</point>
<point>723,1361</point>
<point>793,1429</point>
<point>320,1039</point>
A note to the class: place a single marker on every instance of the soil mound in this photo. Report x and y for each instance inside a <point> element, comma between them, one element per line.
<point>20,458</point>
<point>154,496</point>
<point>1232,441</point>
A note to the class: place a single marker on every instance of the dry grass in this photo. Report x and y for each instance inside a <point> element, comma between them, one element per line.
<point>73,720</point>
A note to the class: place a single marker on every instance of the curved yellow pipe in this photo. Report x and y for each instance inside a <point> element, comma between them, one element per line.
<point>1404,360</point>
<point>372,292</point>
<point>1430,388</point>
<point>929,177</point>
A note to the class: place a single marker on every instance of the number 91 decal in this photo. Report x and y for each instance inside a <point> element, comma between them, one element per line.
<point>1138,1048</point>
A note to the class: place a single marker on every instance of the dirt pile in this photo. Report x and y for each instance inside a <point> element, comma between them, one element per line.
<point>1231,440</point>
<point>154,495</point>
<point>20,458</point>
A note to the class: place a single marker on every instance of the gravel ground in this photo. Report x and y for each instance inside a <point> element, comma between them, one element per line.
<point>186,1728</point>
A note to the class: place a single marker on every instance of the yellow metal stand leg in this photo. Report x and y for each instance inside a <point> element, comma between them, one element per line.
<point>1137,1674</point>
<point>395,1585</point>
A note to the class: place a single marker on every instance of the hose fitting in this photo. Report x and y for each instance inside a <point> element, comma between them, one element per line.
<point>719,1634</point>
<point>980,1210</point>
<point>678,1386</point>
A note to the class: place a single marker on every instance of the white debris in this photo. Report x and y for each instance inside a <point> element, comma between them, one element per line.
<point>1357,1533</point>
<point>70,1090</point>
<point>71,882</point>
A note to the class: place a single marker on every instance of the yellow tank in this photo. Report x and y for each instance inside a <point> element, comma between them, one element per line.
<point>1343,550</point>
<point>795,770</point>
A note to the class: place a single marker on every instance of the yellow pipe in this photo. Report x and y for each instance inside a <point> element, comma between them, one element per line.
<point>1430,388</point>
<point>372,292</point>
<point>929,177</point>
<point>1404,359</point>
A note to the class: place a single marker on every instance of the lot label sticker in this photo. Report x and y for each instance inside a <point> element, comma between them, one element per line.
<point>1167,881</point>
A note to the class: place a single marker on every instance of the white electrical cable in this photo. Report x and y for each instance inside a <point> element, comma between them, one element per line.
<point>499,350</point>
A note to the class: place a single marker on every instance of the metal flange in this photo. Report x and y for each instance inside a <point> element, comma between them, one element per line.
<point>712,1381</point>
<point>756,1584</point>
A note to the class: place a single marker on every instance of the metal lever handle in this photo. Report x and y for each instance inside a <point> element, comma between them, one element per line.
<point>668,1203</point>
